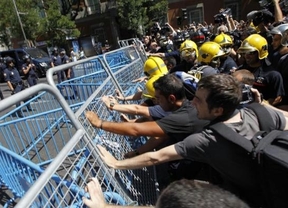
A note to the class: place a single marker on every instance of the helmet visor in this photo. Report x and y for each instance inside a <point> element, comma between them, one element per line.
<point>246,48</point>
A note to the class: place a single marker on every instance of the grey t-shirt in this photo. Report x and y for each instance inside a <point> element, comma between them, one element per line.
<point>230,160</point>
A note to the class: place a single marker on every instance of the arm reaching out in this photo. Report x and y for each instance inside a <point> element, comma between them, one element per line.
<point>148,159</point>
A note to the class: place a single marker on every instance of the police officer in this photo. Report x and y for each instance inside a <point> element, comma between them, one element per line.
<point>69,73</point>
<point>2,67</point>
<point>29,70</point>
<point>14,81</point>
<point>56,61</point>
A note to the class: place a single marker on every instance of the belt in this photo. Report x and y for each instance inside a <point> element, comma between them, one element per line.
<point>17,83</point>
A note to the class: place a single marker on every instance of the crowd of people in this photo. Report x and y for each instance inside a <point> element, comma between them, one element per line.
<point>195,78</point>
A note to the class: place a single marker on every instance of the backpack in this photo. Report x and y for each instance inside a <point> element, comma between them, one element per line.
<point>269,151</point>
<point>189,82</point>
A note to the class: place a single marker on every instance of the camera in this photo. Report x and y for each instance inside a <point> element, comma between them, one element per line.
<point>268,4</point>
<point>221,18</point>
<point>263,15</point>
<point>236,34</point>
<point>247,94</point>
<point>155,28</point>
<point>164,29</point>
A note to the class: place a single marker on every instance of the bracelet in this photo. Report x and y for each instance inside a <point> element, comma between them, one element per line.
<point>101,124</point>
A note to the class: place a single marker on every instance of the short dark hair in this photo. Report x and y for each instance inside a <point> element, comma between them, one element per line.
<point>246,76</point>
<point>224,91</point>
<point>170,60</point>
<point>195,194</point>
<point>170,84</point>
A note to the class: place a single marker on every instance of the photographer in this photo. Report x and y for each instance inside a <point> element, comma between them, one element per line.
<point>225,21</point>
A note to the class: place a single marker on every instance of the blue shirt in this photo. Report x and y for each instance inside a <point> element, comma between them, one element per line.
<point>12,75</point>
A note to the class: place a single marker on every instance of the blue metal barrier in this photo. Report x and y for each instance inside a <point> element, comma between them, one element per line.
<point>57,139</point>
<point>48,148</point>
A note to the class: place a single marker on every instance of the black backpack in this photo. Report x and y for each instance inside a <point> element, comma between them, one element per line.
<point>269,150</point>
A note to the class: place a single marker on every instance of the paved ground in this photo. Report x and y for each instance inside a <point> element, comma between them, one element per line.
<point>4,194</point>
<point>6,91</point>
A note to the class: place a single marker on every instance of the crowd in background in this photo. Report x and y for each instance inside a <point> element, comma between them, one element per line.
<point>270,43</point>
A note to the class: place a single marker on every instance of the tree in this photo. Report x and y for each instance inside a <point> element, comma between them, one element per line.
<point>40,22</point>
<point>135,13</point>
<point>56,27</point>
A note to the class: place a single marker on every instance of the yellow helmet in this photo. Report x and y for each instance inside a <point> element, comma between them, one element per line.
<point>149,91</point>
<point>155,66</point>
<point>255,42</point>
<point>223,40</point>
<point>209,51</point>
<point>188,48</point>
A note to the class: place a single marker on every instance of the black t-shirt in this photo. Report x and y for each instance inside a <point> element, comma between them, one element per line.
<point>182,122</point>
<point>183,66</point>
<point>283,69</point>
<point>268,81</point>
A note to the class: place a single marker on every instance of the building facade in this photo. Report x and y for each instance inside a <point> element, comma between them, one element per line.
<point>97,19</point>
<point>199,11</point>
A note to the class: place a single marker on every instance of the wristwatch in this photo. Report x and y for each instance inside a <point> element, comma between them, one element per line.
<point>111,105</point>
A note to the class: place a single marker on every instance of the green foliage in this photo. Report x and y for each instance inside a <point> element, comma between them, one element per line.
<point>135,13</point>
<point>57,27</point>
<point>40,22</point>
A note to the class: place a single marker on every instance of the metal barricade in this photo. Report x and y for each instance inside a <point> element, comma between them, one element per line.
<point>136,43</point>
<point>106,84</point>
<point>91,72</point>
<point>47,155</point>
<point>68,165</point>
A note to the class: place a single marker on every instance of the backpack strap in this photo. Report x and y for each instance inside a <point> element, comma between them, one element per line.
<point>226,132</point>
<point>263,116</point>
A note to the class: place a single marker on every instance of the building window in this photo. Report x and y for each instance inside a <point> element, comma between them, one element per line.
<point>93,6</point>
<point>195,14</point>
<point>234,5</point>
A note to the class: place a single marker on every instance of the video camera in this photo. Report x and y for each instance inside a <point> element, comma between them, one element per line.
<point>263,15</point>
<point>222,16</point>
<point>163,29</point>
<point>268,4</point>
<point>236,37</point>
